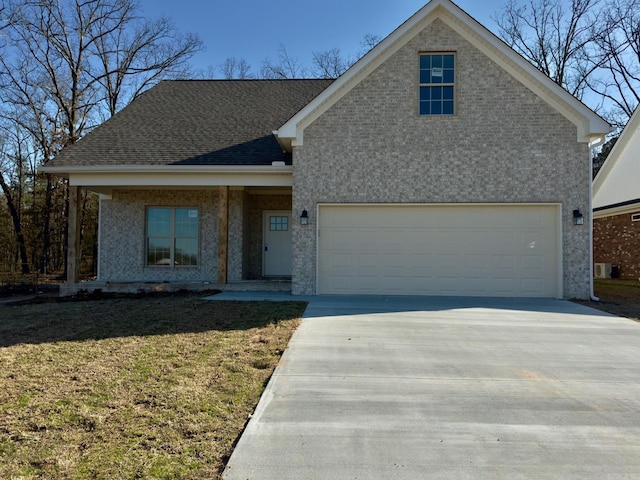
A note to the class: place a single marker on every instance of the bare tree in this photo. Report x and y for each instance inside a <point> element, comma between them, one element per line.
<point>70,64</point>
<point>12,184</point>
<point>591,48</point>
<point>552,38</point>
<point>369,41</point>
<point>135,54</point>
<point>330,63</point>
<point>235,68</point>
<point>618,43</point>
<point>285,67</point>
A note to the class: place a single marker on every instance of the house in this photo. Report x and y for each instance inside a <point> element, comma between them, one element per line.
<point>441,163</point>
<point>616,207</point>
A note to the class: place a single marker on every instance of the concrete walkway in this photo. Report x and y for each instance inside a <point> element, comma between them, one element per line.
<point>449,388</point>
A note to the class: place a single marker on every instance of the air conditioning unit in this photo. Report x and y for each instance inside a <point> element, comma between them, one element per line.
<point>602,270</point>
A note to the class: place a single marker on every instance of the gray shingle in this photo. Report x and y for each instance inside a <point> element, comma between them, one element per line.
<point>197,122</point>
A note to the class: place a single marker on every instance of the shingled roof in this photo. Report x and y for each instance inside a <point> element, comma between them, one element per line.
<point>197,122</point>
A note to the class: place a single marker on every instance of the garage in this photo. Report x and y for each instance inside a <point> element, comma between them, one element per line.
<point>500,250</point>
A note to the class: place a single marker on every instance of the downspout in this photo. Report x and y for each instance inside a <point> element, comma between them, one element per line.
<point>592,294</point>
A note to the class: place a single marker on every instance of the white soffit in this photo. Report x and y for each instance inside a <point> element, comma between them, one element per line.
<point>589,125</point>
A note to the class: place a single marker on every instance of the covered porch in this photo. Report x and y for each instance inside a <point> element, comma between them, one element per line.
<point>211,231</point>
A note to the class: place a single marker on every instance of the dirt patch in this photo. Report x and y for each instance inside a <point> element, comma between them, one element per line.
<point>619,297</point>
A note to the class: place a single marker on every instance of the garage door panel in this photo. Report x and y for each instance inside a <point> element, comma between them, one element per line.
<point>488,250</point>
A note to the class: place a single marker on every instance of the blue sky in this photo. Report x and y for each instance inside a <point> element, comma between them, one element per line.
<point>254,29</point>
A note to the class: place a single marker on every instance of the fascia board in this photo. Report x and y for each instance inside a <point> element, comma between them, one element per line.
<point>180,180</point>
<point>614,211</point>
<point>171,169</point>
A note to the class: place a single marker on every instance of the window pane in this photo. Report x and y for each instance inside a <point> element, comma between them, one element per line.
<point>436,93</point>
<point>447,61</point>
<point>436,108</point>
<point>447,93</point>
<point>159,222</point>
<point>425,61</point>
<point>436,60</point>
<point>425,93</point>
<point>425,108</point>
<point>447,107</point>
<point>186,251</point>
<point>278,224</point>
<point>425,76</point>
<point>159,251</point>
<point>186,222</point>
<point>448,76</point>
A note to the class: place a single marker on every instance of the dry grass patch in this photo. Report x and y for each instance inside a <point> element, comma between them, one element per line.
<point>133,388</point>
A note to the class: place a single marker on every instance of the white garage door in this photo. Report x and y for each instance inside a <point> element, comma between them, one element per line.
<point>470,250</point>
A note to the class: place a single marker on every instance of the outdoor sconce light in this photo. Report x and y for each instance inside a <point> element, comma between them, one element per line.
<point>578,219</point>
<point>304,218</point>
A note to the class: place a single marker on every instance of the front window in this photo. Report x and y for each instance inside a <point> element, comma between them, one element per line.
<point>172,236</point>
<point>437,82</point>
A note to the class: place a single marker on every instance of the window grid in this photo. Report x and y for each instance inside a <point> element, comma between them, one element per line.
<point>635,217</point>
<point>437,82</point>
<point>172,236</point>
<point>278,224</point>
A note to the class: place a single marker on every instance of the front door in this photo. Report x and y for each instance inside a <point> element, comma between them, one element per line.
<point>276,251</point>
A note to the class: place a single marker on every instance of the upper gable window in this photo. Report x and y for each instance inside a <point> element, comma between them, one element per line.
<point>437,83</point>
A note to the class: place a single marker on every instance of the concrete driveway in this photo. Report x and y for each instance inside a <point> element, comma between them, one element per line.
<point>449,388</point>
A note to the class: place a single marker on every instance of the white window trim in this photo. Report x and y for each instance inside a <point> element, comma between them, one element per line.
<point>453,85</point>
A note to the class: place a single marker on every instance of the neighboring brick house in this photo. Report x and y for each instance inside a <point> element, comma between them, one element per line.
<point>616,207</point>
<point>441,163</point>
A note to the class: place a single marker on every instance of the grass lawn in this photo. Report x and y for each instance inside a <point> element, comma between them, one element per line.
<point>155,387</point>
<point>620,297</point>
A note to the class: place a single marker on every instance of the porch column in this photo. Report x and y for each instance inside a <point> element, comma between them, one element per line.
<point>73,246</point>
<point>223,235</point>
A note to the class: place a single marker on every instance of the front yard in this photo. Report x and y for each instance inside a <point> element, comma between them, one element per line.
<point>156,387</point>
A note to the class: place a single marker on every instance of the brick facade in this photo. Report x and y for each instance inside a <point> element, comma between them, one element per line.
<point>122,235</point>
<point>122,242</point>
<point>616,240</point>
<point>504,145</point>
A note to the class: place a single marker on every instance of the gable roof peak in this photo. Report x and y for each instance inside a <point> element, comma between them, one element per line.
<point>590,126</point>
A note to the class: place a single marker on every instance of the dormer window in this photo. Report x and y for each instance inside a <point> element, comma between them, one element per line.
<point>437,83</point>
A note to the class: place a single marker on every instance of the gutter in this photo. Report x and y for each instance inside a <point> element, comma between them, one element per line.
<point>275,167</point>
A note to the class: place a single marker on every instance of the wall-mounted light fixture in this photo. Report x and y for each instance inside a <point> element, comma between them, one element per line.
<point>578,218</point>
<point>304,218</point>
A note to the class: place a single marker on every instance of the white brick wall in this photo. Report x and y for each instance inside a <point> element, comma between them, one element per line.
<point>122,255</point>
<point>503,145</point>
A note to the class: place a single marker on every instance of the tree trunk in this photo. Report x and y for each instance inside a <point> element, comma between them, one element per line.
<point>46,222</point>
<point>15,217</point>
